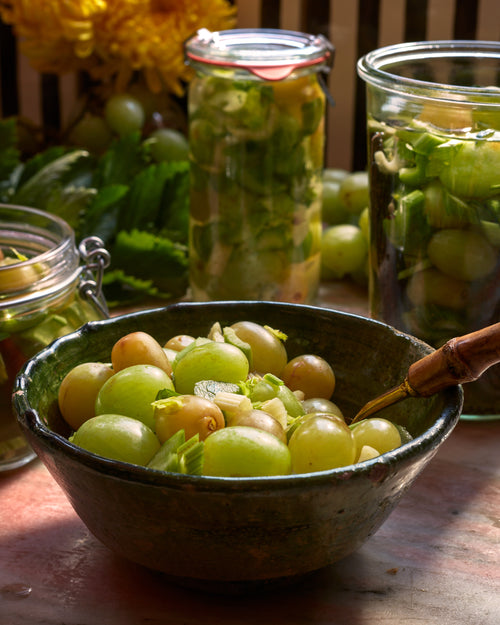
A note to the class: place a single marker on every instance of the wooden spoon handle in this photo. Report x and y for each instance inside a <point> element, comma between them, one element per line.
<point>462,359</point>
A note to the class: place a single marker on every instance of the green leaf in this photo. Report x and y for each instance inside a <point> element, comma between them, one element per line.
<point>122,161</point>
<point>173,217</point>
<point>101,215</point>
<point>159,200</point>
<point>120,288</point>
<point>146,256</point>
<point>70,203</point>
<point>143,205</point>
<point>37,190</point>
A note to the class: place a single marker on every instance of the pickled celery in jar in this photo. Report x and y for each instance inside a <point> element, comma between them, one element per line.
<point>433,129</point>
<point>45,293</point>
<point>256,135</point>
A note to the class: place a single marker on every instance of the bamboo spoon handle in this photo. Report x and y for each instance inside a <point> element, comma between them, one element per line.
<point>460,360</point>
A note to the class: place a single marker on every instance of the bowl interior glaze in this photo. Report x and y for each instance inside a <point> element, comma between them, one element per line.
<point>240,530</point>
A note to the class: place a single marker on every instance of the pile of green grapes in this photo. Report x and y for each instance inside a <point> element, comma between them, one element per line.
<point>228,404</point>
<point>345,239</point>
<point>129,112</point>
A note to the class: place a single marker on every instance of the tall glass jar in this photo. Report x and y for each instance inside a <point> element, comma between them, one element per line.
<point>45,292</point>
<point>434,157</point>
<point>256,134</point>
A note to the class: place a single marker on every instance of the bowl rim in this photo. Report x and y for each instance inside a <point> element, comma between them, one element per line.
<point>30,420</point>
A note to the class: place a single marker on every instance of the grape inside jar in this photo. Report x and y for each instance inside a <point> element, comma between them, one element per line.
<point>256,135</point>
<point>433,122</point>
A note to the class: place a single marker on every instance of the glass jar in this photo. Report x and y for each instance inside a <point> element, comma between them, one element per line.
<point>433,122</point>
<point>256,110</point>
<point>44,293</point>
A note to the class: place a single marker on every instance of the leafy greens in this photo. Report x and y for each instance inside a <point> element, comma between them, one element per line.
<point>138,207</point>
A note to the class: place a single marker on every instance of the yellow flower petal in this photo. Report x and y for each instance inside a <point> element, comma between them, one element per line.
<point>112,39</point>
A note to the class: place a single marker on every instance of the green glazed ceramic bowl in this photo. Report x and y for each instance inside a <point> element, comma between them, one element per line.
<point>240,531</point>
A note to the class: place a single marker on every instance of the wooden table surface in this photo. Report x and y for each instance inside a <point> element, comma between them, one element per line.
<point>436,560</point>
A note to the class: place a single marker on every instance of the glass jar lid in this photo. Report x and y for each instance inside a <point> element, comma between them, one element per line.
<point>270,54</point>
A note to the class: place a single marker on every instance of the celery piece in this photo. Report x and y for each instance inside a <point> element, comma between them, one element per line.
<point>232,338</point>
<point>426,143</point>
<point>417,175</point>
<point>190,456</point>
<point>166,458</point>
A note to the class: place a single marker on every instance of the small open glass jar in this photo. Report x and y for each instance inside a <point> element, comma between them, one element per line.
<point>45,292</point>
<point>434,156</point>
<point>256,133</point>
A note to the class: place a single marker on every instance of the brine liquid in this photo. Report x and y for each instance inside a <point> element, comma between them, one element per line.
<point>256,163</point>
<point>435,238</point>
<point>21,340</point>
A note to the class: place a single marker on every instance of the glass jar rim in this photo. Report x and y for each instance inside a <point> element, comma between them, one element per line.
<point>374,69</point>
<point>57,264</point>
<point>268,53</point>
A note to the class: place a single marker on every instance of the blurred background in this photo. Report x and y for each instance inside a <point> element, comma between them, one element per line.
<point>354,27</point>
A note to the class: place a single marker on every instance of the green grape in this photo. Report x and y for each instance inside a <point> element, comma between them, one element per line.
<point>91,133</point>
<point>378,433</point>
<point>169,145</point>
<point>333,211</point>
<point>430,286</point>
<point>320,404</point>
<point>212,360</point>
<point>343,249</point>
<point>472,171</point>
<point>462,254</point>
<point>117,437</point>
<point>354,192</point>
<point>442,210</point>
<point>131,391</point>
<point>139,348</point>
<point>241,451</point>
<point>78,391</point>
<point>298,421</point>
<point>321,443</point>
<point>310,374</point>
<point>193,414</point>
<point>262,421</point>
<point>178,342</point>
<point>334,174</point>
<point>268,352</point>
<point>124,114</point>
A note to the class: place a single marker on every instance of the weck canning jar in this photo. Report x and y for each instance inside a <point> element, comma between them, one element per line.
<point>45,292</point>
<point>256,134</point>
<point>433,115</point>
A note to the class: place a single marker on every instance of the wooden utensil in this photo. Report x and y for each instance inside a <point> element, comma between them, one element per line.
<point>460,360</point>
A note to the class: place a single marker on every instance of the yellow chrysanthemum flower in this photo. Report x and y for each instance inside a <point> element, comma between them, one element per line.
<point>56,35</point>
<point>113,39</point>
